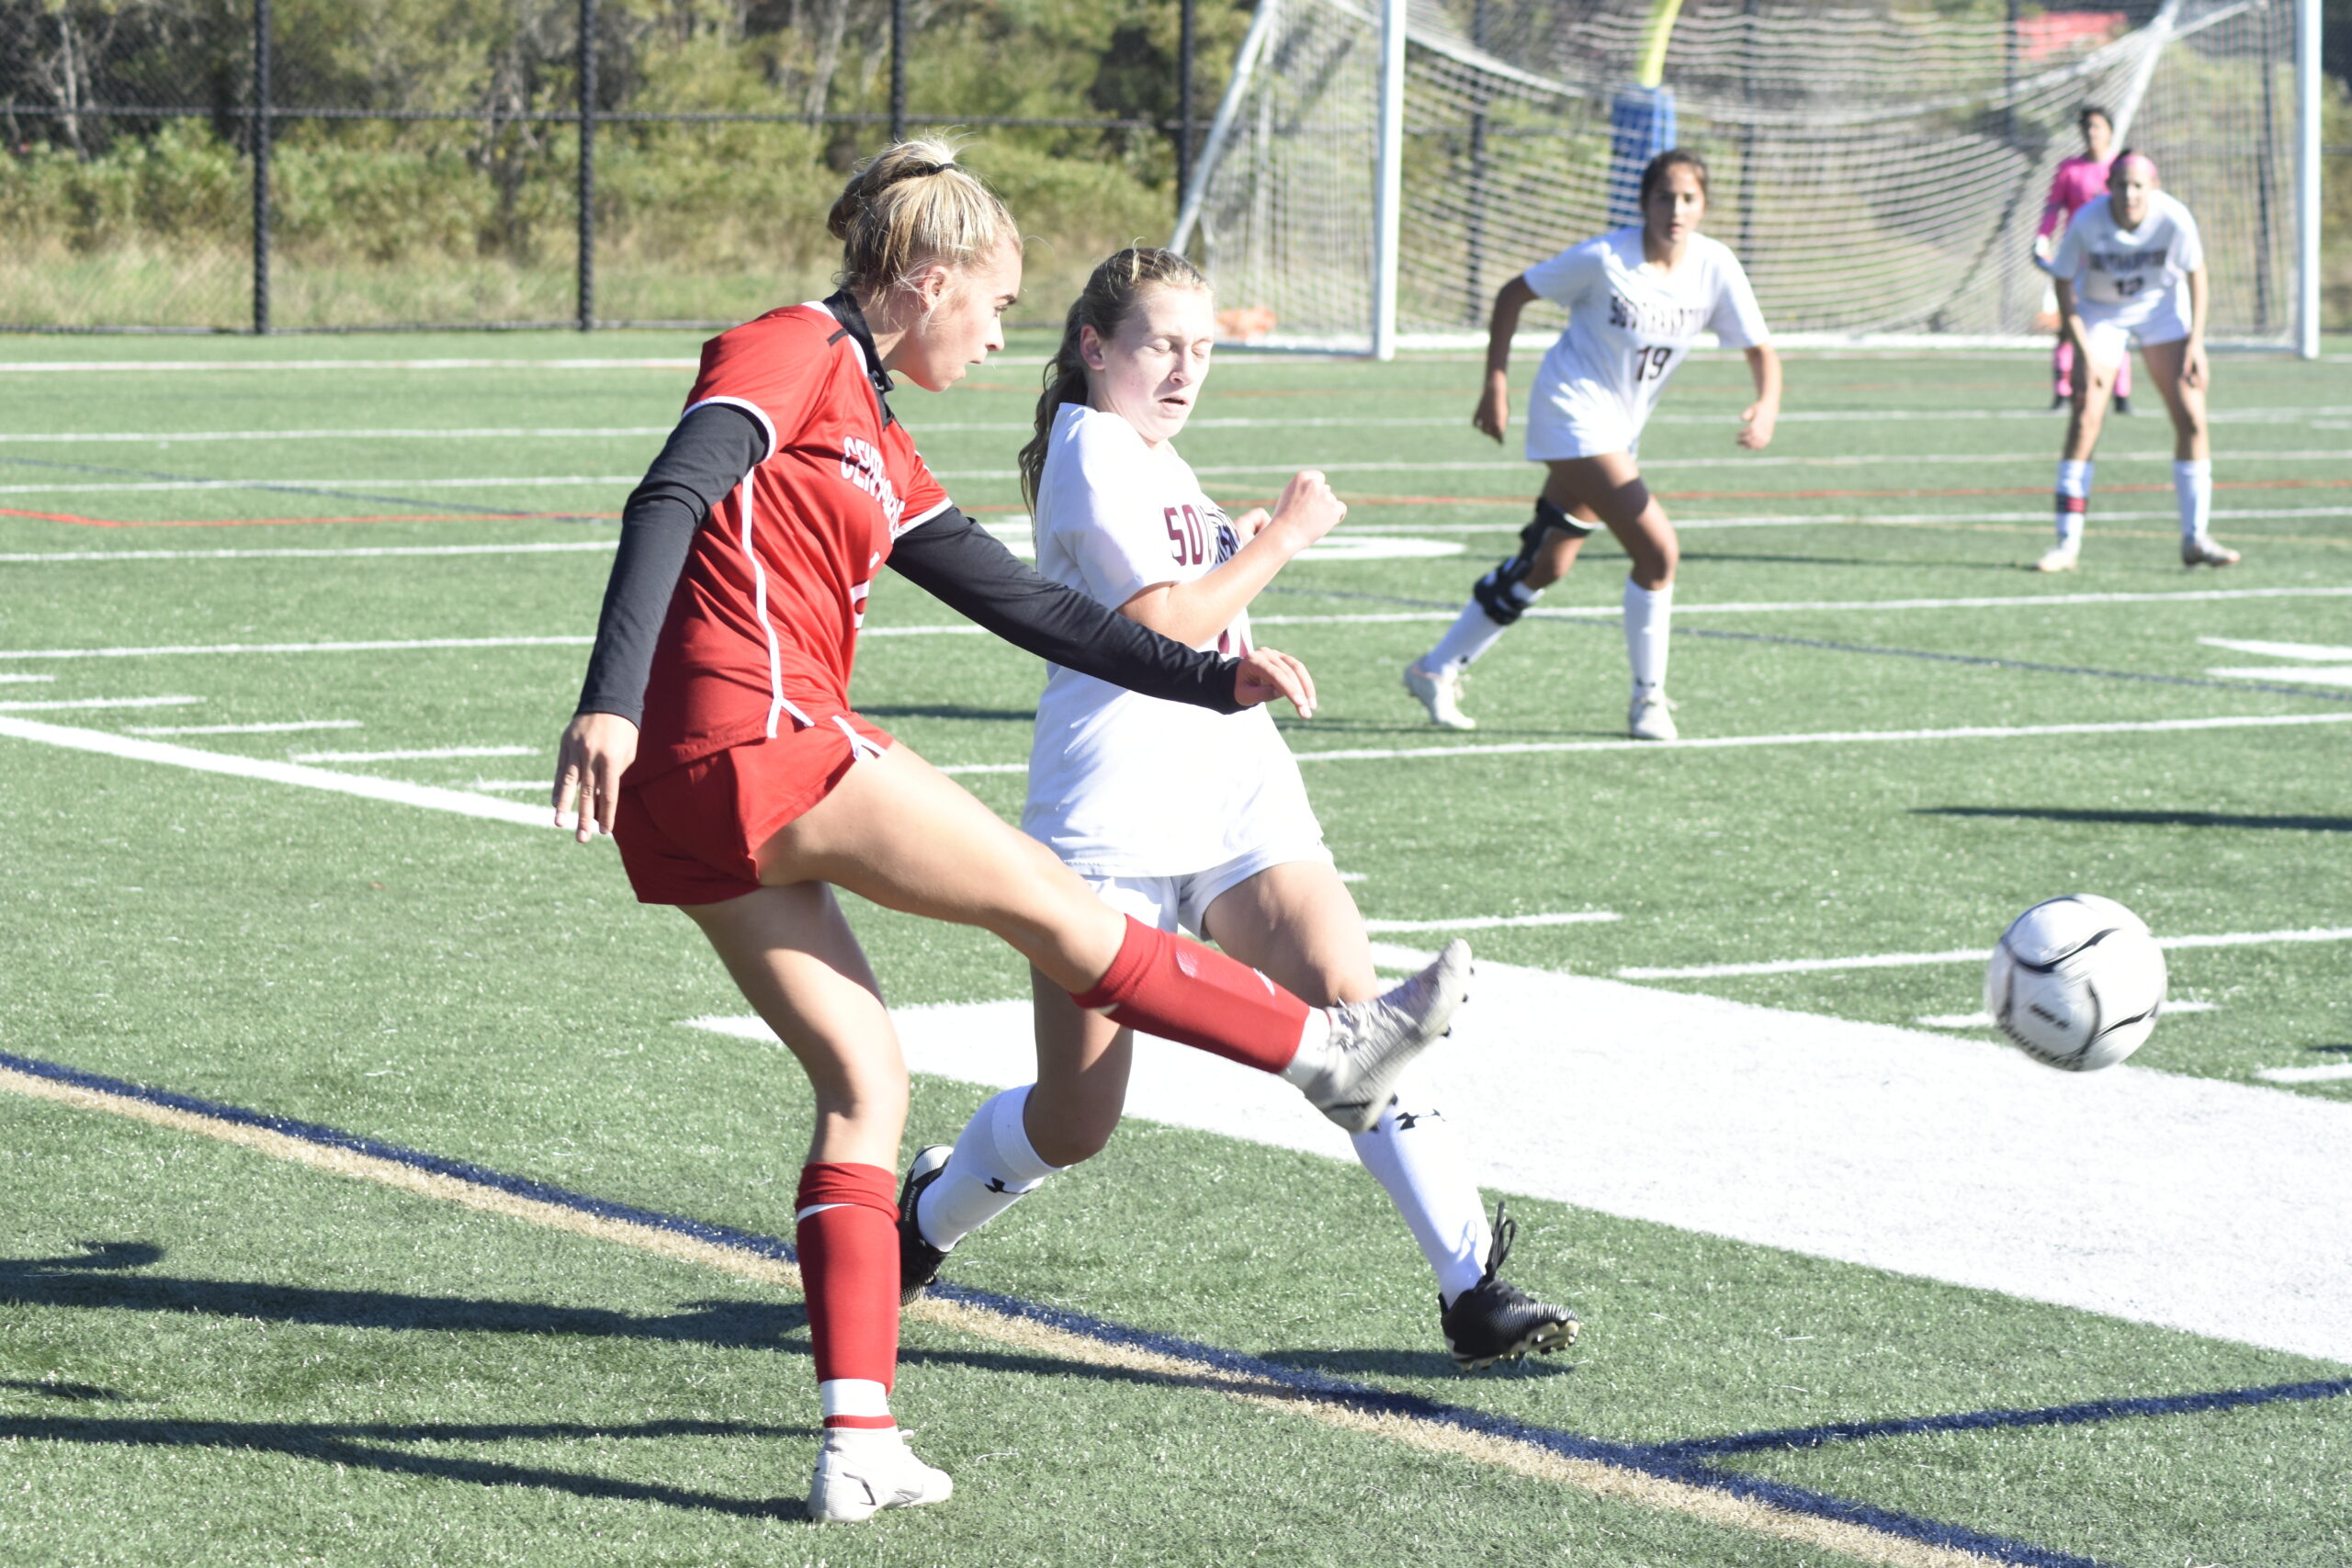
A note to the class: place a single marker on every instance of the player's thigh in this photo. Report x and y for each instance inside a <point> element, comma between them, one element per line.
<point>899,831</point>
<point>2168,365</point>
<point>1083,1062</point>
<point>796,961</point>
<point>1611,488</point>
<point>1297,923</point>
<point>1601,489</point>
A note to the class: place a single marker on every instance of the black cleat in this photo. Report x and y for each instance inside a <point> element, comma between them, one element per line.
<point>2123,404</point>
<point>1493,1320</point>
<point>919,1261</point>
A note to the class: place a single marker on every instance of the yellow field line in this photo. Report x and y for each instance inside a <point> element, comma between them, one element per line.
<point>1616,1483</point>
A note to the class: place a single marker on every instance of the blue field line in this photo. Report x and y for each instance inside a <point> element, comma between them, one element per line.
<point>1980,1420</point>
<point>1669,1462</point>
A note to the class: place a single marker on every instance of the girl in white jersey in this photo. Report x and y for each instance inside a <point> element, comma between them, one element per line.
<point>2130,270</point>
<point>1177,822</point>
<point>1638,299</point>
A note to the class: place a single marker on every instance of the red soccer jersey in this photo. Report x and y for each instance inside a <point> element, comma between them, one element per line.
<point>762,629</point>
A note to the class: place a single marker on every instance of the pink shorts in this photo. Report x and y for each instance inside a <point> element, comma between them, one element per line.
<point>690,836</point>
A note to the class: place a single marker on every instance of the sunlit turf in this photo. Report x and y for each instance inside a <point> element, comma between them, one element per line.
<point>493,994</point>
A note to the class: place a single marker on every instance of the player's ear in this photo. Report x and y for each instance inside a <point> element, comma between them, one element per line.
<point>1090,346</point>
<point>931,284</point>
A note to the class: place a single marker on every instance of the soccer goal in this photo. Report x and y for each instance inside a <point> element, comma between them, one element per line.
<point>1377,168</point>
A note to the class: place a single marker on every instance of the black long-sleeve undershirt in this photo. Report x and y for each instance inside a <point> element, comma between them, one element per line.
<point>949,556</point>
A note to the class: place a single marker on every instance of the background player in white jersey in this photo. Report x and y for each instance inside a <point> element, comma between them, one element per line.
<point>2130,270</point>
<point>1178,822</point>
<point>1638,299</point>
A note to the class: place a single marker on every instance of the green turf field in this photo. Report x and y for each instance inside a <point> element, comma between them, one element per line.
<point>210,1355</point>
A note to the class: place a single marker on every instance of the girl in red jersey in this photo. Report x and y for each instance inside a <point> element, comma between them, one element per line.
<point>716,742</point>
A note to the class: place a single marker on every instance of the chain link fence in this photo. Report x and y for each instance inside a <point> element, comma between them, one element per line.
<point>206,166</point>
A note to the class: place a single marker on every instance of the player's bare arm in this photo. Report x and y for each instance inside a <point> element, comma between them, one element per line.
<point>1493,415</point>
<point>2193,367</point>
<point>1756,422</point>
<point>1191,613</point>
<point>2070,321</point>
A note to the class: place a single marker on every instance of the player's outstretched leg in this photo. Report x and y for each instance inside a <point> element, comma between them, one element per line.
<point>1547,548</point>
<point>1493,1320</point>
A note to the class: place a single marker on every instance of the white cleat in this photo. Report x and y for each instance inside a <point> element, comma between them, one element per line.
<point>2202,551</point>
<point>1651,717</point>
<point>1373,1042</point>
<point>2060,558</point>
<point>1441,694</point>
<point>861,1472</point>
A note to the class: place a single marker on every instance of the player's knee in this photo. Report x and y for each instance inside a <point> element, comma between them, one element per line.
<point>1492,593</point>
<point>1076,1136</point>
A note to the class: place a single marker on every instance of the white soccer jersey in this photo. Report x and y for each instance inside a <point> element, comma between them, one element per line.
<point>2108,264</point>
<point>1128,786</point>
<point>1630,324</point>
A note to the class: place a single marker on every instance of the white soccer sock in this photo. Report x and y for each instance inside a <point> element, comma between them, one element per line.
<point>1649,620</point>
<point>1414,1155</point>
<point>2074,498</point>
<point>1314,1049</point>
<point>1471,634</point>
<point>992,1168</point>
<point>2192,486</point>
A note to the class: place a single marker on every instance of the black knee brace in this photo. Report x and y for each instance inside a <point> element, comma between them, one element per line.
<point>1493,591</point>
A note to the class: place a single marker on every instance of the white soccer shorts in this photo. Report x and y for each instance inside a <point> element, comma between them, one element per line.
<point>1181,902</point>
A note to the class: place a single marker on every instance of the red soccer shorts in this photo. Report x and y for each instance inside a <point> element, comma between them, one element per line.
<point>689,836</point>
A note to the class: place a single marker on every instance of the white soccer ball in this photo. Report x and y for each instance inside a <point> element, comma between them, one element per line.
<point>2076,981</point>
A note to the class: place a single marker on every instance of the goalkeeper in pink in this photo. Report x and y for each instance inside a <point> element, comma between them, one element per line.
<point>2077,181</point>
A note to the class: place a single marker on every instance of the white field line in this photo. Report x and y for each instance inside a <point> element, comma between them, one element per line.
<point>433,755</point>
<point>2309,674</point>
<point>1985,1020</point>
<point>512,784</point>
<point>393,645</point>
<point>2305,1075</point>
<point>1965,955</point>
<point>277,728</point>
<point>157,487</point>
<point>2319,652</point>
<point>2207,1206</point>
<point>393,791</point>
<point>1023,427</point>
<point>1338,465</point>
<point>1515,466</point>
<point>1825,737</point>
<point>561,548</point>
<point>1726,743</point>
<point>1494,922</point>
<point>967,629</point>
<point>97,703</point>
<point>28,680</point>
<point>475,434</point>
<point>158,367</point>
<point>1861,519</point>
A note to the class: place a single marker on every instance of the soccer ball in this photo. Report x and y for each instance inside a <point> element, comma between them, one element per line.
<point>2076,981</point>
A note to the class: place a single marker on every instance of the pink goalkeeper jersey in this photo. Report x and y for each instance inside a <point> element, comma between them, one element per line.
<point>2078,180</point>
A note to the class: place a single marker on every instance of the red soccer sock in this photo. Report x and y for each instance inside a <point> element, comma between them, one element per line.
<point>1166,986</point>
<point>848,1272</point>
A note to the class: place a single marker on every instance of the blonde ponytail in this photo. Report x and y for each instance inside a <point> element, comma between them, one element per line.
<point>909,206</point>
<point>1111,292</point>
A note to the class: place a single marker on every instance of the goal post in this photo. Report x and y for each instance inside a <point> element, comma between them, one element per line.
<point>1879,167</point>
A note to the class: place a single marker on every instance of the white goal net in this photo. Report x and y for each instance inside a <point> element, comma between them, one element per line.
<point>1879,167</point>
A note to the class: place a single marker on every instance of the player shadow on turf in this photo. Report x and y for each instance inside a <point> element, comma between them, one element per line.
<point>1764,558</point>
<point>353,1446</point>
<point>1432,1365</point>
<point>101,1278</point>
<point>2145,818</point>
